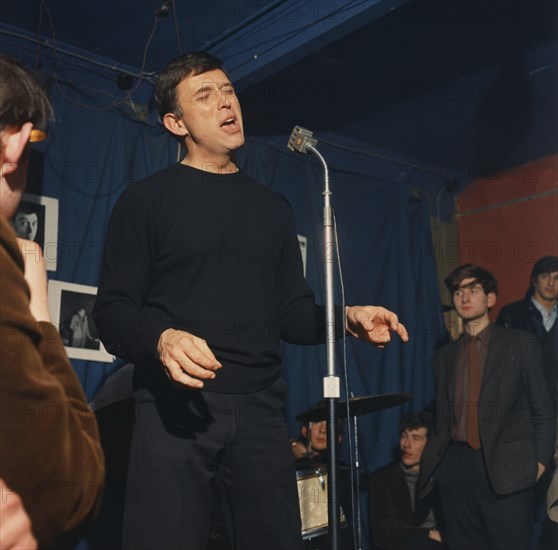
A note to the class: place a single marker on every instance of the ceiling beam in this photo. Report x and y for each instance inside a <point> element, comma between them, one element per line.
<point>286,31</point>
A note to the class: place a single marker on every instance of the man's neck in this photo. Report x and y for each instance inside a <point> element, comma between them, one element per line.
<point>547,304</point>
<point>216,165</point>
<point>476,326</point>
<point>412,469</point>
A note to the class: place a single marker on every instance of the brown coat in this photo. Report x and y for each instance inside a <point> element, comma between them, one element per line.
<point>49,443</point>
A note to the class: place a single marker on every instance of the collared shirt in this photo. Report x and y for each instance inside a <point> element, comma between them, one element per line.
<point>462,403</point>
<point>548,316</point>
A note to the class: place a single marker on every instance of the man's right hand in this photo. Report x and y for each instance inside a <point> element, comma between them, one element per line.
<point>187,359</point>
<point>434,534</point>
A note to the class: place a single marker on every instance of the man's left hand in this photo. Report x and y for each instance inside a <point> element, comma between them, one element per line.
<point>374,324</point>
<point>540,470</point>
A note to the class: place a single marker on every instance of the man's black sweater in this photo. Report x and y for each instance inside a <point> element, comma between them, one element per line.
<point>215,255</point>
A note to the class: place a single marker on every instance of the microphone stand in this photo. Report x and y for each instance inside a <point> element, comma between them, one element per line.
<point>358,542</point>
<point>301,140</point>
<point>331,381</point>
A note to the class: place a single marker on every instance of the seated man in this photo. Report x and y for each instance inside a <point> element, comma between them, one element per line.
<point>310,454</point>
<point>311,446</point>
<point>397,519</point>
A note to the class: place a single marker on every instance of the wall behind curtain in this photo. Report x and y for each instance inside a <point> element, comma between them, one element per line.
<point>508,221</point>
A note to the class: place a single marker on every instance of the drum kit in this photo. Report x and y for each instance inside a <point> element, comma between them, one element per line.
<point>312,483</point>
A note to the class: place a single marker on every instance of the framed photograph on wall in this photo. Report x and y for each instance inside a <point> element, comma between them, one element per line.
<point>303,243</point>
<point>36,219</point>
<point>70,306</point>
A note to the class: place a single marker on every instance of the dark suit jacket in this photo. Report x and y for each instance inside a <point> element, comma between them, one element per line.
<point>516,420</point>
<point>392,521</point>
<point>526,316</point>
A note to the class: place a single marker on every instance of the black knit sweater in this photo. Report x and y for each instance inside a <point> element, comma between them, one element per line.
<point>215,255</point>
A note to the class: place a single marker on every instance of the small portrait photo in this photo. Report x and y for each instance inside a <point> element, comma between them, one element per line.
<point>36,219</point>
<point>303,243</point>
<point>70,306</point>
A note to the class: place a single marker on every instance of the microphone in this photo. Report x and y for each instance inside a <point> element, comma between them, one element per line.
<point>301,139</point>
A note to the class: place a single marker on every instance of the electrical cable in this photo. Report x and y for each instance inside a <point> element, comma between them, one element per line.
<point>178,41</point>
<point>115,102</point>
<point>350,436</point>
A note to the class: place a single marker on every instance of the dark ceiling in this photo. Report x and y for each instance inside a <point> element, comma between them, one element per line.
<point>473,88</point>
<point>465,85</point>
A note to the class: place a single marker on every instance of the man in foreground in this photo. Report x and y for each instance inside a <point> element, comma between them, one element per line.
<point>50,452</point>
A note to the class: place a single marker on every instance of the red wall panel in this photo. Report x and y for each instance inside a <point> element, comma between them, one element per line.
<point>508,221</point>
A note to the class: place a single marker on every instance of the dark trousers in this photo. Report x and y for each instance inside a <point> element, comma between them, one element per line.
<point>191,447</point>
<point>476,518</point>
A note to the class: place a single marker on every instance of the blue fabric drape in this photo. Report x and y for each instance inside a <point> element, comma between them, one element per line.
<point>89,158</point>
<point>383,232</point>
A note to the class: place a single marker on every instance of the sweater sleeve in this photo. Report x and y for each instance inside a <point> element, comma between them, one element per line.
<point>127,326</point>
<point>50,451</point>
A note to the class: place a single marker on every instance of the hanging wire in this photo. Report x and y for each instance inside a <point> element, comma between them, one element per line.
<point>115,102</point>
<point>40,24</point>
<point>178,41</point>
<point>350,427</point>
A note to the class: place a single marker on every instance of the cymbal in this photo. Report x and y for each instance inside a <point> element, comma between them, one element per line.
<point>357,406</point>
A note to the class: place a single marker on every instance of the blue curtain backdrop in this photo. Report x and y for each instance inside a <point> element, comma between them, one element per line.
<point>94,152</point>
<point>384,239</point>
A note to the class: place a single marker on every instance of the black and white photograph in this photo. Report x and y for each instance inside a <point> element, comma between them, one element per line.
<point>303,243</point>
<point>36,219</point>
<point>70,306</point>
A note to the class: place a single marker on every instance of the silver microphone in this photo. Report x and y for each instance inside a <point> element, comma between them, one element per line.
<point>301,139</point>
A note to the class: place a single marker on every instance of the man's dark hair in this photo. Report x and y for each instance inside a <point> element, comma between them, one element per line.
<point>21,97</point>
<point>469,271</point>
<point>172,74</point>
<point>415,420</point>
<point>25,207</point>
<point>546,264</point>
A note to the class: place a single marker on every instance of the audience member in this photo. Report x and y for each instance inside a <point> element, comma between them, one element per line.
<point>398,520</point>
<point>15,526</point>
<point>536,314</point>
<point>552,495</point>
<point>49,444</point>
<point>311,461</point>
<point>495,426</point>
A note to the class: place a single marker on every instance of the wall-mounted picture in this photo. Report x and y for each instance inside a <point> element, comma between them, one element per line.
<point>303,243</point>
<point>70,306</point>
<point>36,219</point>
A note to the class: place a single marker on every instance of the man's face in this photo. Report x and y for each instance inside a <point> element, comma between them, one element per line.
<point>317,434</point>
<point>471,302</point>
<point>13,176</point>
<point>211,116</point>
<point>26,225</point>
<point>546,287</point>
<point>412,443</point>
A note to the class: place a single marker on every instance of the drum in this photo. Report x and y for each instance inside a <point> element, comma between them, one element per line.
<point>312,499</point>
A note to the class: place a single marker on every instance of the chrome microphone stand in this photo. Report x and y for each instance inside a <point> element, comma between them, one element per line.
<point>301,140</point>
